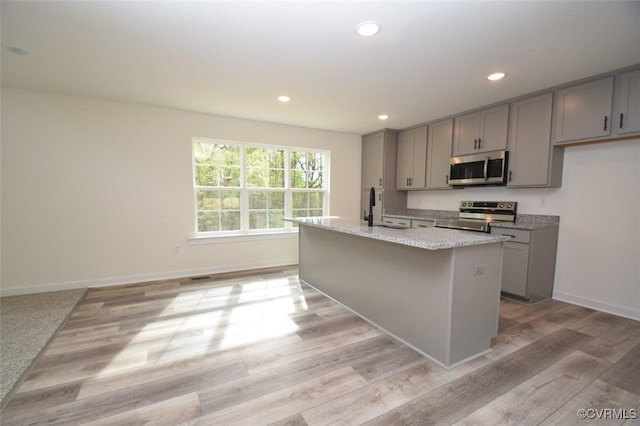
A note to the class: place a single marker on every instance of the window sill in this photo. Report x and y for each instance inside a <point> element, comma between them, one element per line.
<point>210,239</point>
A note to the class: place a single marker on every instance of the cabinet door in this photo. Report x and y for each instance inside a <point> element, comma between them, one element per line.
<point>584,111</point>
<point>515,263</point>
<point>494,123</point>
<point>372,160</point>
<point>530,141</point>
<point>628,120</point>
<point>465,134</point>
<point>404,171</point>
<point>439,154</point>
<point>418,179</point>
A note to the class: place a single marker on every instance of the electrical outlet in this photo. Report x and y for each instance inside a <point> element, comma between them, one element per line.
<point>176,248</point>
<point>543,202</point>
<point>478,269</point>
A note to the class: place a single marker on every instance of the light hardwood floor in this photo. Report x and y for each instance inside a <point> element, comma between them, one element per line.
<point>263,348</point>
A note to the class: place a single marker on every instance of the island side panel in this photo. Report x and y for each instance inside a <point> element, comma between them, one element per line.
<point>405,290</point>
<point>475,300</point>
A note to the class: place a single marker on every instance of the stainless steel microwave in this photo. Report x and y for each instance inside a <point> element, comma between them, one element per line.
<point>487,168</point>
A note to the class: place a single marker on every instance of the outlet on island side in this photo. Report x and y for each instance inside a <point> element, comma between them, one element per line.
<point>478,269</point>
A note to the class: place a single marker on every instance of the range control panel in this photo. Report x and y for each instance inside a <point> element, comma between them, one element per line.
<point>488,205</point>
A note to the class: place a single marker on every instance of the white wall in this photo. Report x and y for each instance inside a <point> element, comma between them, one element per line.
<point>97,192</point>
<point>598,262</point>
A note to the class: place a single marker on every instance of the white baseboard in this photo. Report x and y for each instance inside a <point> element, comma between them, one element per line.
<point>105,282</point>
<point>600,306</point>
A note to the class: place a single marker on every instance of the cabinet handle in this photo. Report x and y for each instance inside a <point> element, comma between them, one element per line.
<point>510,175</point>
<point>447,180</point>
<point>605,122</point>
<point>410,181</point>
<point>475,144</point>
<point>621,116</point>
<point>479,143</point>
<point>407,181</point>
<point>508,235</point>
<point>379,197</point>
<point>380,181</point>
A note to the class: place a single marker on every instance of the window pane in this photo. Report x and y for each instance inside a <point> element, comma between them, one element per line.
<point>300,200</point>
<point>208,200</point>
<point>218,210</point>
<point>316,200</point>
<point>265,168</point>
<point>206,175</point>
<point>230,176</point>
<point>230,221</point>
<point>276,178</point>
<point>307,170</point>
<point>257,200</point>
<point>258,220</point>
<point>216,164</point>
<point>257,178</point>
<point>276,219</point>
<point>208,221</point>
<point>276,200</point>
<point>230,200</point>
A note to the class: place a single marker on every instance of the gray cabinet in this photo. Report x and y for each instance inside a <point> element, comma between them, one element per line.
<point>379,156</point>
<point>627,119</point>
<point>528,263</point>
<point>439,142</point>
<point>533,160</point>
<point>481,131</point>
<point>584,111</point>
<point>412,158</point>
<point>373,158</point>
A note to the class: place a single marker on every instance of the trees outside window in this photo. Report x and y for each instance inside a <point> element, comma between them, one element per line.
<point>242,188</point>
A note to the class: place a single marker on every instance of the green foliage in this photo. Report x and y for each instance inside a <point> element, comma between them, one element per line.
<point>217,169</point>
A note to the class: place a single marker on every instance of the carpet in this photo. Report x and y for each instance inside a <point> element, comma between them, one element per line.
<point>27,324</point>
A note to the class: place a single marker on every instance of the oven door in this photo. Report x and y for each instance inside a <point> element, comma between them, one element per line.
<point>489,168</point>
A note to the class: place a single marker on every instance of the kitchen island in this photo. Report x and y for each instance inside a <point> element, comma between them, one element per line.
<point>437,290</point>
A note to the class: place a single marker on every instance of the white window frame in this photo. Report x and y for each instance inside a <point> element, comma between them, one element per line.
<point>289,230</point>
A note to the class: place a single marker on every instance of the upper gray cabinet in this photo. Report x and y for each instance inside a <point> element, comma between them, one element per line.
<point>628,117</point>
<point>412,158</point>
<point>481,131</point>
<point>379,156</point>
<point>373,160</point>
<point>533,160</point>
<point>439,142</point>
<point>584,111</point>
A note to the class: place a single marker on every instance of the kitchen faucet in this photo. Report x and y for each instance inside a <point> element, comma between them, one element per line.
<point>372,202</point>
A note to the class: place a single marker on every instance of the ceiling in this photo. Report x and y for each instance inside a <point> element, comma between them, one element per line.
<point>234,58</point>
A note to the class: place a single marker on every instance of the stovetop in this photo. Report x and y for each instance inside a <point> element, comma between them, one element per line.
<point>478,215</point>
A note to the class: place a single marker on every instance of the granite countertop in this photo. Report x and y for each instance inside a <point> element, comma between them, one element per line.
<point>523,221</point>
<point>425,238</point>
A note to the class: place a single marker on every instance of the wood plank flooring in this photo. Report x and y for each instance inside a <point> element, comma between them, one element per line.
<point>260,347</point>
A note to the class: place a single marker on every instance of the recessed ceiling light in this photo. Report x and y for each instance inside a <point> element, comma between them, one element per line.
<point>368,28</point>
<point>284,98</point>
<point>496,76</point>
<point>383,117</point>
<point>18,50</point>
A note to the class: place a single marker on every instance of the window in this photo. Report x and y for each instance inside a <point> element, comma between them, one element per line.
<point>247,189</point>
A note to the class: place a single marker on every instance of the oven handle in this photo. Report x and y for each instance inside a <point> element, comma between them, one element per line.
<point>486,166</point>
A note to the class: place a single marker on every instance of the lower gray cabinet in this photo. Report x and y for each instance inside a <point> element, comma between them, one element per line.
<point>528,263</point>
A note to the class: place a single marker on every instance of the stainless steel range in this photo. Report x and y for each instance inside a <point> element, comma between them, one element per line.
<point>477,215</point>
